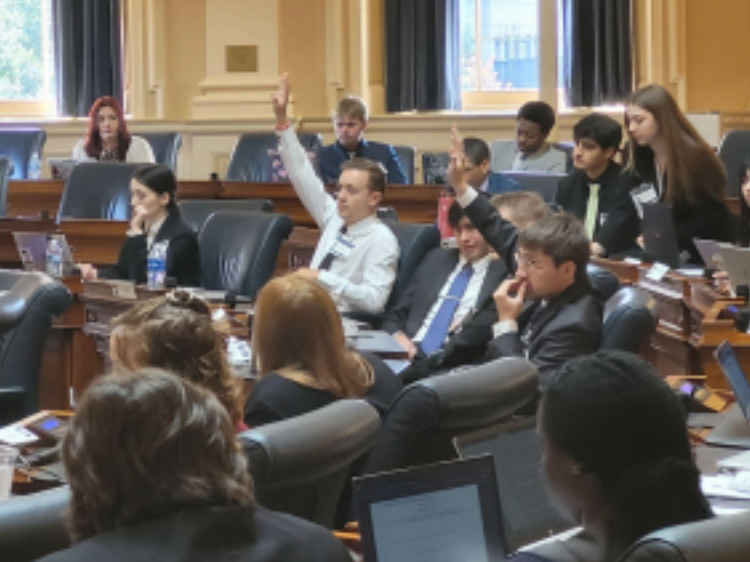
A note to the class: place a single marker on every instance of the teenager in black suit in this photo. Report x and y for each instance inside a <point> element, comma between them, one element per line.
<point>594,191</point>
<point>155,473</point>
<point>156,219</point>
<point>349,124</point>
<point>669,161</point>
<point>466,330</point>
<point>563,317</point>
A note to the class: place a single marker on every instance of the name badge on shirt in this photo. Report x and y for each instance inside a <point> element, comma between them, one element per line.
<point>343,246</point>
<point>644,194</point>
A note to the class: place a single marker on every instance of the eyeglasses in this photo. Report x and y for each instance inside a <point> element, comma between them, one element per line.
<point>528,263</point>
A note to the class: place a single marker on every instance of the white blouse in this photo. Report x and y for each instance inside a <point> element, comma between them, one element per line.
<point>139,151</point>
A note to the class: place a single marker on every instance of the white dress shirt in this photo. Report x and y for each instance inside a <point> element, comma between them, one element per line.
<point>363,279</point>
<point>468,301</point>
<point>138,151</point>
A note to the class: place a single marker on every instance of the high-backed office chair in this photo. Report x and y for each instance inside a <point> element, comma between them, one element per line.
<point>543,184</point>
<point>166,147</point>
<point>566,147</point>
<point>427,414</point>
<point>196,211</point>
<point>414,242</point>
<point>239,249</point>
<point>256,157</point>
<point>734,148</point>
<point>435,168</point>
<point>721,539</point>
<point>603,280</point>
<point>6,170</point>
<point>629,320</point>
<point>28,301</point>
<point>98,190</point>
<point>19,145</point>
<point>300,465</point>
<point>406,156</point>
<point>33,526</point>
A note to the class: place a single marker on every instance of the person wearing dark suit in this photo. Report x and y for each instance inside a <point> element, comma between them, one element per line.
<point>563,318</point>
<point>478,173</point>
<point>440,320</point>
<point>171,482</point>
<point>594,192</point>
<point>302,357</point>
<point>349,123</point>
<point>156,219</point>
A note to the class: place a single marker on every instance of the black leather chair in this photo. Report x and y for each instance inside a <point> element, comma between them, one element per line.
<point>196,211</point>
<point>166,147</point>
<point>406,156</point>
<point>98,190</point>
<point>603,280</point>
<point>629,320</point>
<point>239,249</point>
<point>301,465</point>
<point>734,148</point>
<point>435,168</point>
<point>28,301</point>
<point>414,241</point>
<point>543,184</point>
<point>721,539</point>
<point>33,526</point>
<point>6,170</point>
<point>19,145</point>
<point>426,415</point>
<point>256,157</point>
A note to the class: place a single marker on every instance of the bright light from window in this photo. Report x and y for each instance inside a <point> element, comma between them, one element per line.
<point>26,55</point>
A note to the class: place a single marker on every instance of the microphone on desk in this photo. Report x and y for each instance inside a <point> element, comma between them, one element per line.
<point>230,299</point>
<point>170,283</point>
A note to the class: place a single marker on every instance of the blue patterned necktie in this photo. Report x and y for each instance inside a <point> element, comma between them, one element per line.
<point>438,330</point>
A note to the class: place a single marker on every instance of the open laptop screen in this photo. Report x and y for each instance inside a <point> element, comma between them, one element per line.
<point>733,372</point>
<point>528,514</point>
<point>436,513</point>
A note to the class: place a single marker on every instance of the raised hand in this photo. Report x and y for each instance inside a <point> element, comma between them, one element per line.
<point>280,100</point>
<point>456,174</point>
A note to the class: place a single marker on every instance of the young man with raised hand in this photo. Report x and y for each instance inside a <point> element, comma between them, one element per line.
<point>357,256</point>
<point>548,311</point>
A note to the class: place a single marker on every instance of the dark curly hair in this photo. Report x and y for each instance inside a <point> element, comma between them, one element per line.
<point>175,332</point>
<point>616,417</point>
<point>144,445</point>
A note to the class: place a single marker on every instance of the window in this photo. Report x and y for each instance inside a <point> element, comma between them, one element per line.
<point>499,45</point>
<point>26,55</point>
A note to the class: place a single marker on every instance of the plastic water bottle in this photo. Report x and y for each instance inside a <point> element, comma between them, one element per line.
<point>157,265</point>
<point>54,257</point>
<point>35,167</point>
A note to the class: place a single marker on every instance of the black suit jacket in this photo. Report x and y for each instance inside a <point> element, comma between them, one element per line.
<point>502,235</point>
<point>183,258</point>
<point>617,224</point>
<point>570,325</point>
<point>465,345</point>
<point>219,534</point>
<point>332,156</point>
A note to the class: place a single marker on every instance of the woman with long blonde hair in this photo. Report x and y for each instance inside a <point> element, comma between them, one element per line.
<point>301,353</point>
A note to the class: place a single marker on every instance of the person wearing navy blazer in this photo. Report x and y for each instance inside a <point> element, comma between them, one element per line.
<point>349,123</point>
<point>477,169</point>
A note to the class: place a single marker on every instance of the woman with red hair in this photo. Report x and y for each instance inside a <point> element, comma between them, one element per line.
<point>108,138</point>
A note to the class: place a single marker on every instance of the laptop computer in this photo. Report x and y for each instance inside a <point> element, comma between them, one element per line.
<point>61,168</point>
<point>659,236</point>
<point>32,249</point>
<point>709,251</point>
<point>434,513</point>
<point>734,428</point>
<point>528,514</point>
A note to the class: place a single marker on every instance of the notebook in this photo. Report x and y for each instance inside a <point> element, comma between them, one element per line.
<point>527,513</point>
<point>435,513</point>
<point>32,249</point>
<point>659,237</point>
<point>734,428</point>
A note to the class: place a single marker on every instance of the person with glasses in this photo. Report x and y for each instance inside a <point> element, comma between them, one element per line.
<point>547,312</point>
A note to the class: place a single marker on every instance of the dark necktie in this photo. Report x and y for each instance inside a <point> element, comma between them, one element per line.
<point>531,324</point>
<point>438,330</point>
<point>327,260</point>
